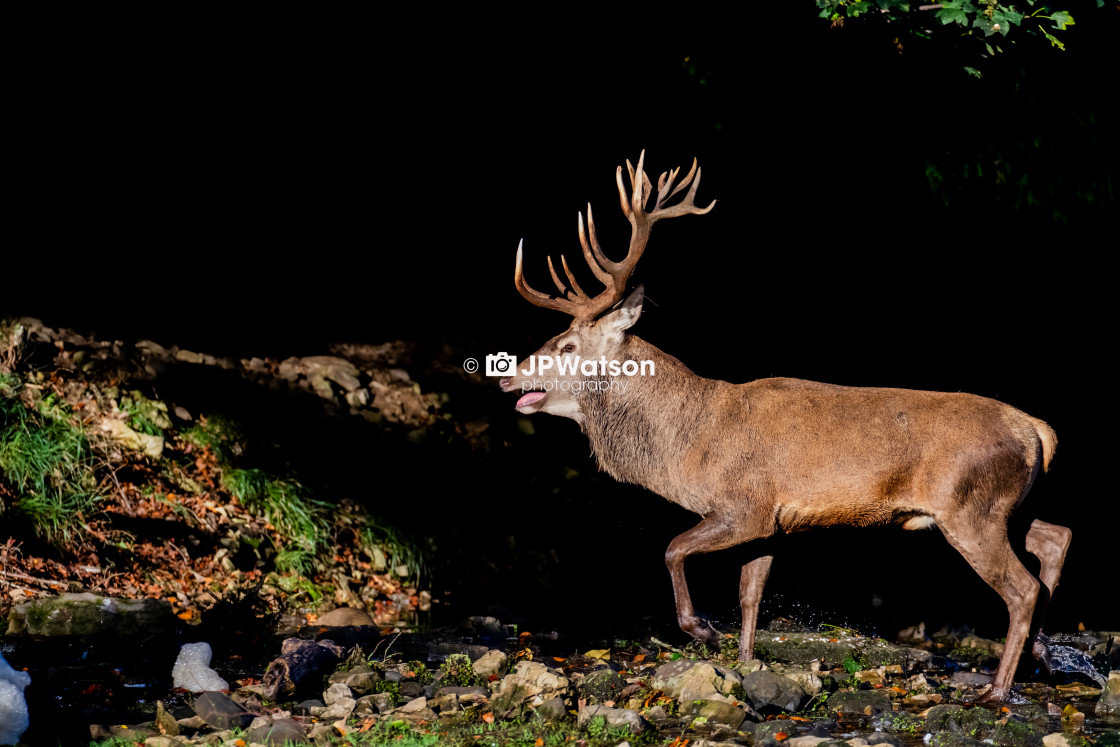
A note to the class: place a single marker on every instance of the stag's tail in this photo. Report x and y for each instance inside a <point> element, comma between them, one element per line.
<point>1049,441</point>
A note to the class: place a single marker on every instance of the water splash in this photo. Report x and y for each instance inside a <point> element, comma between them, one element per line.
<point>1066,659</point>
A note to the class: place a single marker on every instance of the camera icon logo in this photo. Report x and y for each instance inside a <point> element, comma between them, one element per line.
<point>501,364</point>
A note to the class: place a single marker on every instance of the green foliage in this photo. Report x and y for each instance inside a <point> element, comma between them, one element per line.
<point>962,18</point>
<point>397,548</point>
<point>145,415</point>
<point>47,461</point>
<point>456,670</point>
<point>421,673</point>
<point>301,520</point>
<point>217,433</point>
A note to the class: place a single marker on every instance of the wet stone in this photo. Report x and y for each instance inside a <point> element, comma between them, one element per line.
<point>970,679</point>
<point>304,708</point>
<point>715,712</point>
<point>278,734</point>
<point>879,737</point>
<point>899,722</point>
<point>221,712</point>
<point>604,684</point>
<point>613,717</point>
<point>858,703</point>
<point>771,693</point>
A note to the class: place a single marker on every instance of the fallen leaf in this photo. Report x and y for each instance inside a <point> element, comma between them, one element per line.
<point>639,657</point>
<point>781,735</point>
<point>538,743</point>
<point>599,653</point>
<point>558,658</point>
<point>488,717</point>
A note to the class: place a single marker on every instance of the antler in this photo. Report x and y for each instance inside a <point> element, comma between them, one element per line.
<point>573,300</point>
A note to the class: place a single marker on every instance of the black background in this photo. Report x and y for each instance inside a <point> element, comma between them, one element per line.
<point>271,185</point>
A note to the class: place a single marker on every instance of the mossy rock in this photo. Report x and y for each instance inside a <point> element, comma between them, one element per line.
<point>858,703</point>
<point>89,614</point>
<point>953,739</point>
<point>764,733</point>
<point>600,685</point>
<point>1017,734</point>
<point>900,722</point>
<point>832,650</point>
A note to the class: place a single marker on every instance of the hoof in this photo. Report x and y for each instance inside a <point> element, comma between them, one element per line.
<point>993,696</point>
<point>702,630</point>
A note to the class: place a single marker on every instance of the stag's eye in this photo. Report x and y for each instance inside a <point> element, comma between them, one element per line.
<point>569,348</point>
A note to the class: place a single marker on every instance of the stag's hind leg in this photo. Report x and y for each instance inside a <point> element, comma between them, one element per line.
<point>750,594</point>
<point>1049,543</point>
<point>713,533</point>
<point>988,551</point>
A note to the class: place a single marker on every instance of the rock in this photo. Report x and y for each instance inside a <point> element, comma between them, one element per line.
<point>165,723</point>
<point>833,648</point>
<point>118,431</point>
<point>972,722</point>
<point>161,741</point>
<point>221,712</point>
<point>530,683</point>
<point>613,717</point>
<point>278,733</point>
<point>873,677</point>
<point>552,709</point>
<point>969,679</point>
<point>913,634</point>
<point>743,668</point>
<point>361,679</point>
<point>715,712</point>
<point>440,651</point>
<point>304,708</point>
<point>695,680</point>
<point>860,703</point>
<point>417,704</point>
<point>600,685</point>
<point>492,663</point>
<point>899,722</point>
<point>1109,704</point>
<point>88,614</point>
<point>807,741</point>
<point>126,733</point>
<point>481,626</point>
<point>879,737</point>
<point>379,702</point>
<point>336,693</point>
<point>1014,733</point>
<point>342,617</point>
<point>771,693</point>
<point>917,684</point>
<point>14,716</point>
<point>953,739</point>
<point>974,641</point>
<point>416,711</point>
<point>1063,739</point>
<point>192,669</point>
<point>809,681</point>
<point>410,690</point>
<point>765,733</point>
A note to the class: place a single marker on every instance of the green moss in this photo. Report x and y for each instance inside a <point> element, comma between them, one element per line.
<point>456,670</point>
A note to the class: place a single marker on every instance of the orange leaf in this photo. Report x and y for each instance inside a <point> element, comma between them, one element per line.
<point>833,640</point>
<point>781,735</point>
<point>640,657</point>
<point>558,658</point>
<point>538,743</point>
<point>493,678</point>
<point>185,615</point>
<point>488,718</point>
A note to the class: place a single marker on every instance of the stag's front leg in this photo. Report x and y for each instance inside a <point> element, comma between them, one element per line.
<point>713,533</point>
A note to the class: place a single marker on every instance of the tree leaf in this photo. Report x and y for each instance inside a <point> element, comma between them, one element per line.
<point>1061,20</point>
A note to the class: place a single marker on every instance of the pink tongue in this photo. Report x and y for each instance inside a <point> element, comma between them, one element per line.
<point>530,398</point>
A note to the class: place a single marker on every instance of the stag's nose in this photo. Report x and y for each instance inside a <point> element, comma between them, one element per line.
<point>505,383</point>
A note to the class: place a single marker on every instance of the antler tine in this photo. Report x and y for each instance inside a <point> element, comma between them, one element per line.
<point>535,297</point>
<point>576,290</point>
<point>685,206</point>
<point>664,182</point>
<point>597,261</point>
<point>556,279</point>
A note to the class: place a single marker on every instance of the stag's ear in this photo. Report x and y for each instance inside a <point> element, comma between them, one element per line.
<point>621,319</point>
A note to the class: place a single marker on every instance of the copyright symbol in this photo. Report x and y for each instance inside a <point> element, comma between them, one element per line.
<point>470,365</point>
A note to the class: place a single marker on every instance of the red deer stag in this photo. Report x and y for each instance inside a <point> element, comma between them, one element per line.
<point>782,455</point>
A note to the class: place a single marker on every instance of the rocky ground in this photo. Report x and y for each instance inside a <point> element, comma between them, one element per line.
<point>341,681</point>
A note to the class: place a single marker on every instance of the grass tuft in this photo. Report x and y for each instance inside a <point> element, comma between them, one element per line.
<point>47,461</point>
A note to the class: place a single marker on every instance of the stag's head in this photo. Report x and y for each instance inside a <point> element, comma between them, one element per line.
<point>600,323</point>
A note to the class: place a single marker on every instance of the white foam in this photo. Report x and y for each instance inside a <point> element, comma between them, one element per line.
<point>14,718</point>
<point>192,669</point>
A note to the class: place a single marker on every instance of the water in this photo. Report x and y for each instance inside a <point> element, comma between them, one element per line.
<point>1066,659</point>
